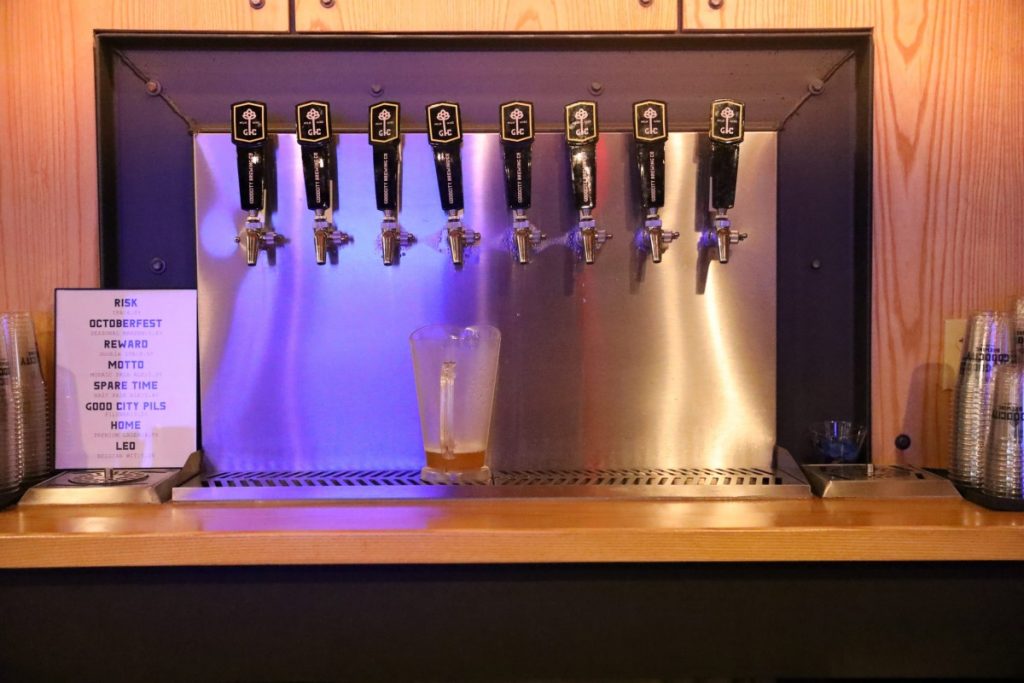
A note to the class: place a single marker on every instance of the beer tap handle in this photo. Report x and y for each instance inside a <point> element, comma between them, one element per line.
<point>313,130</point>
<point>516,143</point>
<point>444,128</point>
<point>249,133</point>
<point>581,134</point>
<point>726,135</point>
<point>385,138</point>
<point>650,128</point>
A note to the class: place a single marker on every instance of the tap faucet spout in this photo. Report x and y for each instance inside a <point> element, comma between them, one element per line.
<point>459,238</point>
<point>658,238</point>
<point>725,236</point>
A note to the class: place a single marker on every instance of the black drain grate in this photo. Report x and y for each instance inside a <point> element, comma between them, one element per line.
<point>687,476</point>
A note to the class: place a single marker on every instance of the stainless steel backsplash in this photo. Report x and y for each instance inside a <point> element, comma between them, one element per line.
<point>620,364</point>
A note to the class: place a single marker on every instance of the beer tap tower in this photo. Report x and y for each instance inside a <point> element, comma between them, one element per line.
<point>726,135</point>
<point>650,130</point>
<point>581,134</point>
<point>249,134</point>
<point>386,139</point>
<point>516,143</point>
<point>444,128</point>
<point>313,131</point>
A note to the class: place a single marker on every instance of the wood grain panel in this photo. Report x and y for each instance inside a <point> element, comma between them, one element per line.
<point>530,16</point>
<point>949,110</point>
<point>507,531</point>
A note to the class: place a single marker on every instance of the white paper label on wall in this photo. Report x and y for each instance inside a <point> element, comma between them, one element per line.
<point>126,387</point>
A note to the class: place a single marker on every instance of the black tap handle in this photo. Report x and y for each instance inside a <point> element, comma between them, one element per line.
<point>249,133</point>
<point>444,128</point>
<point>516,143</point>
<point>313,130</point>
<point>650,128</point>
<point>385,138</point>
<point>581,134</point>
<point>726,135</point>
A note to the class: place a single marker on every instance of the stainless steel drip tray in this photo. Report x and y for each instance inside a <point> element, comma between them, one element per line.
<point>396,484</point>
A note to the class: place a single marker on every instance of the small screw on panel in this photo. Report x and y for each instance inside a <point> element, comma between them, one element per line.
<point>903,442</point>
<point>157,265</point>
<point>154,88</point>
<point>376,89</point>
<point>646,3</point>
<point>596,87</point>
<point>716,4</point>
<point>816,264</point>
<point>327,4</point>
<point>816,86</point>
<point>257,4</point>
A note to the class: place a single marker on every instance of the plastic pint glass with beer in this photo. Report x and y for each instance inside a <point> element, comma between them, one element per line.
<point>455,369</point>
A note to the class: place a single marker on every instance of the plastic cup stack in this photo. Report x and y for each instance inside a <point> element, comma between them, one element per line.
<point>32,442</point>
<point>988,343</point>
<point>1004,466</point>
<point>1019,329</point>
<point>10,464</point>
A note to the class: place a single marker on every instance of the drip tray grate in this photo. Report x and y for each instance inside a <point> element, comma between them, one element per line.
<point>686,482</point>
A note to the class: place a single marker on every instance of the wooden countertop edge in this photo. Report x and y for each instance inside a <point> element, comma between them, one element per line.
<point>488,546</point>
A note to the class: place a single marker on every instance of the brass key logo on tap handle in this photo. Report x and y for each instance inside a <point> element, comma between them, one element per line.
<point>385,133</point>
<point>249,134</point>
<point>650,129</point>
<point>516,143</point>
<point>444,129</point>
<point>313,133</point>
<point>581,134</point>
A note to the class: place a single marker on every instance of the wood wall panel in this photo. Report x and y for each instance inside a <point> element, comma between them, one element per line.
<point>948,173</point>
<point>529,16</point>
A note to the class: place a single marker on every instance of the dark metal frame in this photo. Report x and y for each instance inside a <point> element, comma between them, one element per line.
<point>147,233</point>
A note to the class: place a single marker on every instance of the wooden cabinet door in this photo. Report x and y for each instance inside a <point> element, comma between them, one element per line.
<point>528,16</point>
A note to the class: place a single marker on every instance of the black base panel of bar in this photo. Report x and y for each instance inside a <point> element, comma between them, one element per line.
<point>513,623</point>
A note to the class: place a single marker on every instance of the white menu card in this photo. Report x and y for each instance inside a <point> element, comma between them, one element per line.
<point>126,387</point>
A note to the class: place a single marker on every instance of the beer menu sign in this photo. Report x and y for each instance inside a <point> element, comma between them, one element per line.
<point>126,387</point>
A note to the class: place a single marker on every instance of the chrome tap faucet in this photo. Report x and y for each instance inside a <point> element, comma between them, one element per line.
<point>386,139</point>
<point>249,134</point>
<point>516,143</point>
<point>650,130</point>
<point>444,128</point>
<point>726,135</point>
<point>581,134</point>
<point>313,132</point>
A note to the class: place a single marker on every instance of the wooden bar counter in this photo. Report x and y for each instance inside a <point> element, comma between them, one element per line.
<point>512,590</point>
<point>506,531</point>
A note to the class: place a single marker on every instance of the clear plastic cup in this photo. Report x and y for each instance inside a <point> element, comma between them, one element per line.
<point>32,437</point>
<point>988,343</point>
<point>455,370</point>
<point>1018,318</point>
<point>11,468</point>
<point>1004,465</point>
